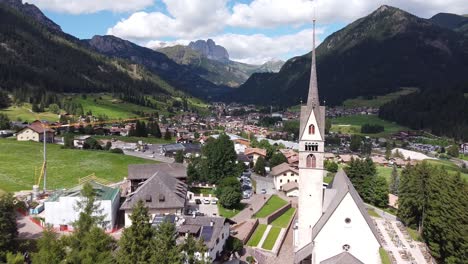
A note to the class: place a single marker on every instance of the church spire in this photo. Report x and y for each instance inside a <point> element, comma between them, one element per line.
<point>313,98</point>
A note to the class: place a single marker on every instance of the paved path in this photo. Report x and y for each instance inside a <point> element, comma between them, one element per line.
<point>27,229</point>
<point>264,183</point>
<point>253,204</point>
<point>149,156</point>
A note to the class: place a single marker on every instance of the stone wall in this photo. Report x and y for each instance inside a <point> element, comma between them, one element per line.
<point>272,217</point>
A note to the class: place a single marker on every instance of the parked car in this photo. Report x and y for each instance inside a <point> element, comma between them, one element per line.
<point>197,201</point>
<point>206,201</point>
<point>214,201</point>
<point>263,191</point>
<point>247,174</point>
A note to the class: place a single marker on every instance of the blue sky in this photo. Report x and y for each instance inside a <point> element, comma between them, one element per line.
<point>252,31</point>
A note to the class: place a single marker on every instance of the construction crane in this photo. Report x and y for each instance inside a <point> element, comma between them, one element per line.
<point>46,127</point>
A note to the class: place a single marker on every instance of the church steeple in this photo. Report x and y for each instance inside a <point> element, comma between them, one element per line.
<point>313,97</point>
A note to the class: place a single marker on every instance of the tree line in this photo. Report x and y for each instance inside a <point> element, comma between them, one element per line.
<point>435,203</point>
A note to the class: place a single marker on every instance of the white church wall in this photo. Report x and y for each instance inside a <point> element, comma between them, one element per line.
<point>357,234</point>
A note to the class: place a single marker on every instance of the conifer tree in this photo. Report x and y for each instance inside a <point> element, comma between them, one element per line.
<point>8,228</point>
<point>166,250</point>
<point>50,248</point>
<point>137,242</point>
<point>260,166</point>
<point>394,181</point>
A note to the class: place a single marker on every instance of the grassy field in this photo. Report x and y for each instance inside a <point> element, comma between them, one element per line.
<point>463,157</point>
<point>103,104</point>
<point>372,212</point>
<point>273,204</point>
<point>378,100</point>
<point>229,213</point>
<point>24,113</point>
<point>257,235</point>
<point>151,140</point>
<point>352,125</point>
<point>449,166</point>
<point>384,256</point>
<point>414,234</point>
<point>284,219</point>
<point>201,190</point>
<point>270,240</point>
<point>386,172</point>
<point>18,161</point>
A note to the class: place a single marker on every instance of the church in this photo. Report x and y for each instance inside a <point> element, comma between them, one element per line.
<point>333,225</point>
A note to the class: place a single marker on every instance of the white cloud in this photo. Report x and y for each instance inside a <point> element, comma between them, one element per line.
<point>91,6</point>
<point>188,19</point>
<point>258,48</point>
<point>271,13</point>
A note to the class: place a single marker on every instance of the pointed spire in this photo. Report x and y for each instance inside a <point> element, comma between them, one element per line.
<point>313,98</point>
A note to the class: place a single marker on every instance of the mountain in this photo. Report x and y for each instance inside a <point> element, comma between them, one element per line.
<point>33,12</point>
<point>37,59</point>
<point>210,50</point>
<point>177,75</point>
<point>451,21</point>
<point>374,55</point>
<point>219,69</point>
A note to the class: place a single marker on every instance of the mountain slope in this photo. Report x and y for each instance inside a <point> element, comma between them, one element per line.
<point>177,75</point>
<point>374,55</point>
<point>216,66</point>
<point>451,21</point>
<point>35,59</point>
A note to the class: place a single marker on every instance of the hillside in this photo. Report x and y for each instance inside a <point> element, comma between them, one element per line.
<point>374,55</point>
<point>36,60</point>
<point>452,21</point>
<point>216,67</point>
<point>177,75</point>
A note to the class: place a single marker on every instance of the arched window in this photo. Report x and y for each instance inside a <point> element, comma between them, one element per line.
<point>311,129</point>
<point>311,161</point>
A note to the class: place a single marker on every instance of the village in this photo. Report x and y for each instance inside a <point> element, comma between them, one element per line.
<point>268,182</point>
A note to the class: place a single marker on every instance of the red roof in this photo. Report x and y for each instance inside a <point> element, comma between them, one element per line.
<point>38,127</point>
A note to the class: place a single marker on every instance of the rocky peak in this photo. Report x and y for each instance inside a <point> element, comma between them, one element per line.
<point>33,12</point>
<point>210,50</point>
<point>109,44</point>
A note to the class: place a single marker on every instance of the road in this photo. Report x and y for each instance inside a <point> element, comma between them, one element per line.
<point>264,183</point>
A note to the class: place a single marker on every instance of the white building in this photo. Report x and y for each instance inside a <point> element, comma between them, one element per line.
<point>283,174</point>
<point>333,225</point>
<point>60,208</point>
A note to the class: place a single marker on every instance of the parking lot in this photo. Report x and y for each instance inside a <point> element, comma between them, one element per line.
<point>206,209</point>
<point>264,183</point>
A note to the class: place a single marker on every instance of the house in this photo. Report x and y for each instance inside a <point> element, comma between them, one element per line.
<point>380,160</point>
<point>291,189</point>
<point>346,158</point>
<point>464,148</point>
<point>138,173</point>
<point>329,156</point>
<point>189,149</point>
<point>35,132</point>
<point>79,141</point>
<point>6,133</point>
<point>213,230</point>
<point>283,174</point>
<point>162,194</point>
<point>60,207</point>
<point>255,153</point>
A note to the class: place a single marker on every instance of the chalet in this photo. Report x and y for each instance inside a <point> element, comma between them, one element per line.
<point>255,153</point>
<point>380,160</point>
<point>162,194</point>
<point>346,158</point>
<point>35,132</point>
<point>188,149</point>
<point>137,174</point>
<point>291,189</point>
<point>283,174</point>
<point>464,148</point>
<point>60,207</point>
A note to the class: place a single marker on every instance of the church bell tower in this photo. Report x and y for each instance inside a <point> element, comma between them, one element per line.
<point>311,157</point>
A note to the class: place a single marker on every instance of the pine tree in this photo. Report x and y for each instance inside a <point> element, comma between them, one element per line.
<point>192,246</point>
<point>8,228</point>
<point>50,249</point>
<point>179,157</point>
<point>277,159</point>
<point>166,250</point>
<point>394,181</point>
<point>167,135</point>
<point>260,166</point>
<point>137,242</point>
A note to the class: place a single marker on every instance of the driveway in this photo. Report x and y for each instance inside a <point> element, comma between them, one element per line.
<point>207,209</point>
<point>27,229</point>
<point>264,183</point>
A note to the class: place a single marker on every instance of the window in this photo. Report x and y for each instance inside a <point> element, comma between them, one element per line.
<point>281,181</point>
<point>295,180</point>
<point>217,241</point>
<point>311,129</point>
<point>311,161</point>
<point>222,235</point>
<point>288,180</point>
<point>346,247</point>
<point>284,174</point>
<point>348,220</point>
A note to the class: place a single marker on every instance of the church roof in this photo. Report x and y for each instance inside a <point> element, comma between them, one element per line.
<point>343,186</point>
<point>342,258</point>
<point>336,192</point>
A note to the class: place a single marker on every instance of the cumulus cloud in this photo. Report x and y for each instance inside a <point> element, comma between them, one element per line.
<point>91,6</point>
<point>188,19</point>
<point>270,13</point>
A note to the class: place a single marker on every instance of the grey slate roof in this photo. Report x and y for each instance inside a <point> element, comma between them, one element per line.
<point>342,258</point>
<point>336,192</point>
<point>160,191</point>
<point>145,171</point>
<point>191,224</point>
<point>343,186</point>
